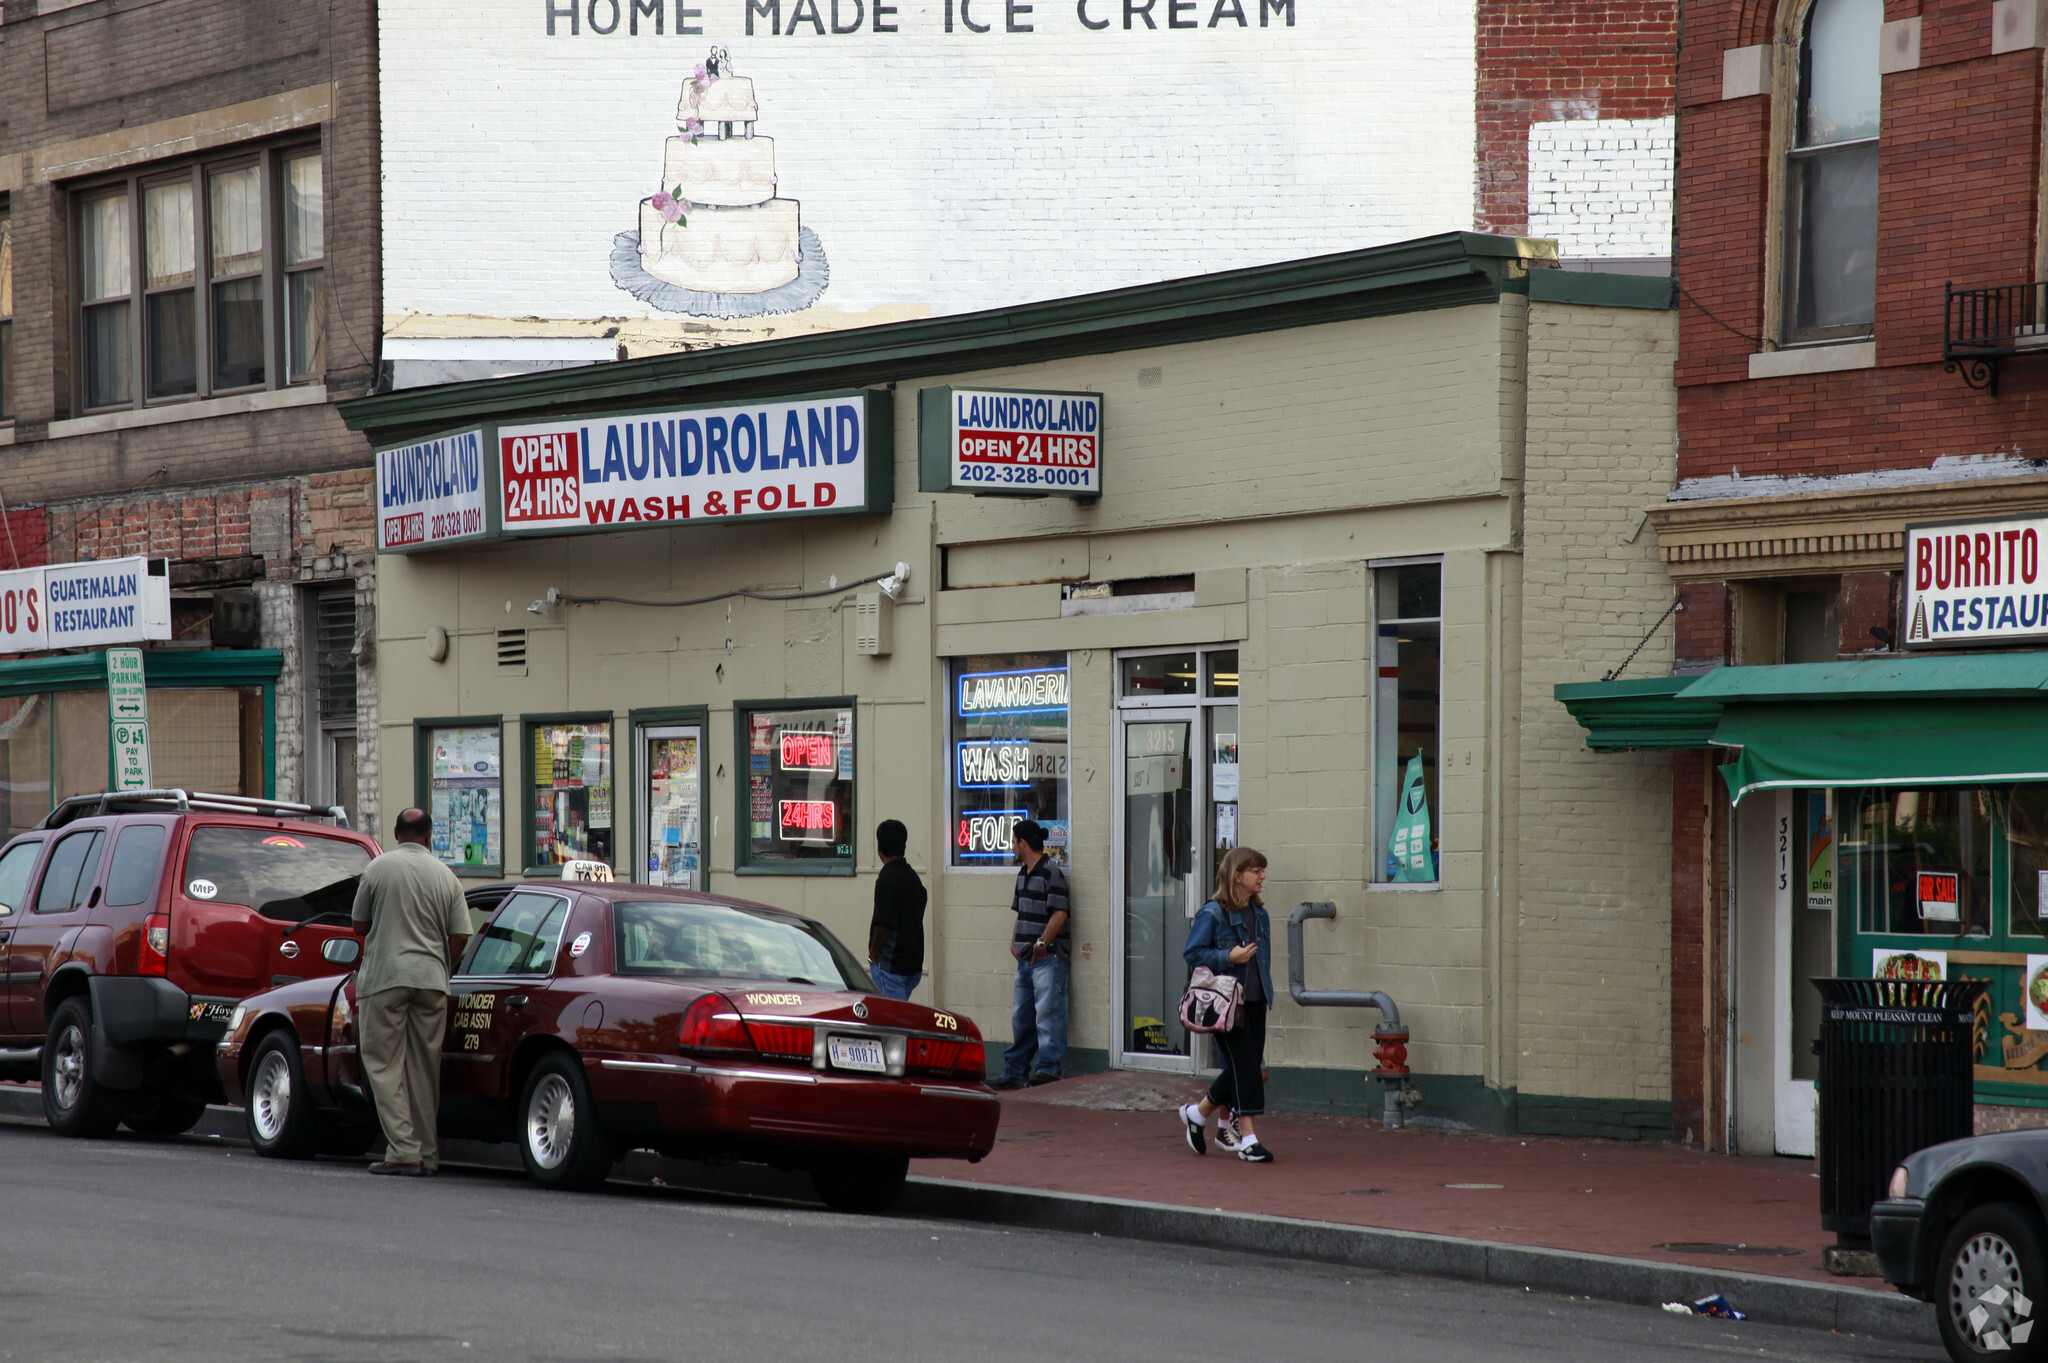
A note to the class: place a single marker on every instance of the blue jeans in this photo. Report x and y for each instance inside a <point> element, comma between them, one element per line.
<point>1038,1018</point>
<point>893,985</point>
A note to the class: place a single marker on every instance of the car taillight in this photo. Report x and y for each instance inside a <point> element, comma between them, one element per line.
<point>782,1039</point>
<point>961,1059</point>
<point>156,945</point>
<point>973,1062</point>
<point>713,1024</point>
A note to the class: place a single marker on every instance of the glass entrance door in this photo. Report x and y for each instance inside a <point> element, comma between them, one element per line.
<point>671,806</point>
<point>1161,880</point>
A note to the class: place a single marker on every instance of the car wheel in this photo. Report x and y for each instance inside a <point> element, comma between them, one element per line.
<point>1993,1267</point>
<point>162,1114</point>
<point>860,1183</point>
<point>282,1123</point>
<point>73,1101</point>
<point>559,1138</point>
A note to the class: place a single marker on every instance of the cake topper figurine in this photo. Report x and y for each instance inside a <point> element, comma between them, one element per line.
<point>715,238</point>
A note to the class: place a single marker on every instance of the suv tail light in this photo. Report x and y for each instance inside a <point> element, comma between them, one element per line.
<point>713,1025</point>
<point>156,945</point>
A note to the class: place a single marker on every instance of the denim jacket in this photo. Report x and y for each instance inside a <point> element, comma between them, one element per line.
<point>1213,934</point>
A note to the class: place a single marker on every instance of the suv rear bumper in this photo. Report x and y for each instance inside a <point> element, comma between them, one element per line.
<point>137,1010</point>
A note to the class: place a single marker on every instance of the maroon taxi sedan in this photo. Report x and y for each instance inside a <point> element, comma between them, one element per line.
<point>592,1019</point>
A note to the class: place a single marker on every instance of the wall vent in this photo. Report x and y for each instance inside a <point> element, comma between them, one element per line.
<point>512,651</point>
<point>874,624</point>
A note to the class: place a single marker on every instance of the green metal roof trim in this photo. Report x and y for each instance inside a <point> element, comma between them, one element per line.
<point>160,667</point>
<point>1893,677</point>
<point>1686,712</point>
<point>1453,269</point>
<point>1620,716</point>
<point>1655,292</point>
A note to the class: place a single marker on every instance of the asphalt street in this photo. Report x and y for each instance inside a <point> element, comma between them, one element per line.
<point>197,1250</point>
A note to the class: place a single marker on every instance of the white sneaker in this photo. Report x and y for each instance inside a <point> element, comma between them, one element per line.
<point>1192,1123</point>
<point>1228,1136</point>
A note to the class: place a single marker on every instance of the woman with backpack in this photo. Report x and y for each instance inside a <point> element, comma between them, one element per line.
<point>1233,936</point>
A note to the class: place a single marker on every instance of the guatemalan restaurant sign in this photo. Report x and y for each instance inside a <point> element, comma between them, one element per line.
<point>1975,582</point>
<point>826,455</point>
<point>1028,444</point>
<point>85,605</point>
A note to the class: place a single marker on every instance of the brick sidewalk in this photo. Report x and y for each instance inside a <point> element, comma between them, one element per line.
<point>1115,1135</point>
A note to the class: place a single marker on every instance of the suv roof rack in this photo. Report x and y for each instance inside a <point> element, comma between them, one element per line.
<point>184,801</point>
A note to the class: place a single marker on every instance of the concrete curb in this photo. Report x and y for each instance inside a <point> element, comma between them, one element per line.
<point>1779,1301</point>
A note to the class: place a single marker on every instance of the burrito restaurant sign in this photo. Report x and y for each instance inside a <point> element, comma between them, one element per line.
<point>825,455</point>
<point>1975,582</point>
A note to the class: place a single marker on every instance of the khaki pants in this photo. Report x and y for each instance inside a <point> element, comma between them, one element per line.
<point>401,1038</point>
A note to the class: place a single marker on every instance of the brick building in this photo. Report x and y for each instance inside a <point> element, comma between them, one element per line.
<point>189,280</point>
<point>1845,163</point>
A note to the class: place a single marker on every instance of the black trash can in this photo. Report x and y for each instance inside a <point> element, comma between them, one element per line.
<point>1895,1077</point>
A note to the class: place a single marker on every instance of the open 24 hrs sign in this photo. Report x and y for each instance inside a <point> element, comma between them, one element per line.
<point>1009,442</point>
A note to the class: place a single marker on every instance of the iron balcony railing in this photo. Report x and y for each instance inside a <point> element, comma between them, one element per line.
<point>1981,327</point>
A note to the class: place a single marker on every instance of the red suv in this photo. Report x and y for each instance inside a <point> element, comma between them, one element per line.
<point>132,923</point>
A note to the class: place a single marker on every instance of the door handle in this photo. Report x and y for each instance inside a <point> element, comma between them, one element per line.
<point>516,1000</point>
<point>94,901</point>
<point>288,949</point>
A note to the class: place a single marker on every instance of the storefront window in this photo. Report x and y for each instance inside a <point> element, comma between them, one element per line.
<point>796,810</point>
<point>462,769</point>
<point>24,761</point>
<point>200,738</point>
<point>569,783</point>
<point>1407,715</point>
<point>1222,682</point>
<point>1917,861</point>
<point>1008,754</point>
<point>2026,843</point>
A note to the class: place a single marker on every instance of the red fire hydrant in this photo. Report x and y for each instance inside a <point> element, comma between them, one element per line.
<point>1391,1050</point>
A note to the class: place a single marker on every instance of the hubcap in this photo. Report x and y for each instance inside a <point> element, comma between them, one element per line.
<point>550,1121</point>
<point>67,1070</point>
<point>1987,1295</point>
<point>270,1097</point>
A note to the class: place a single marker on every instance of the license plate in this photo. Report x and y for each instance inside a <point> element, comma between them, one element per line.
<point>857,1053</point>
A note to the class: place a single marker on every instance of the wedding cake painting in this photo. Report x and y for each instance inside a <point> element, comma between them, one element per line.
<point>715,240</point>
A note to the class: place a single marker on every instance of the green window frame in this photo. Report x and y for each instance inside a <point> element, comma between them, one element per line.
<point>632,780</point>
<point>422,781</point>
<point>840,861</point>
<point>529,785</point>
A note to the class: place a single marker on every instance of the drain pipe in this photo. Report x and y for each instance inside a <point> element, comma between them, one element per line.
<point>1390,1037</point>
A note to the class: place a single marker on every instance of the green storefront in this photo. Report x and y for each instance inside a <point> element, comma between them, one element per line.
<point>1888,817</point>
<point>212,726</point>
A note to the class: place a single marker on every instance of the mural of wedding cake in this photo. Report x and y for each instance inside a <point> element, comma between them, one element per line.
<point>716,226</point>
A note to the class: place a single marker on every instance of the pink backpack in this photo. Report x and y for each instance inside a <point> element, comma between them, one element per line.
<point>1211,1001</point>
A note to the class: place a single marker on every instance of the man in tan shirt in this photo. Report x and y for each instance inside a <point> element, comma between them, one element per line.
<point>410,912</point>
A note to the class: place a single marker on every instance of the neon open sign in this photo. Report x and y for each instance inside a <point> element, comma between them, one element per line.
<point>809,752</point>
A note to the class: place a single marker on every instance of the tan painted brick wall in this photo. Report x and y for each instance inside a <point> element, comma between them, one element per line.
<point>1591,1013</point>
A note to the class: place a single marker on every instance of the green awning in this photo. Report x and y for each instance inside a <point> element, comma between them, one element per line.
<point>1902,719</point>
<point>1884,743</point>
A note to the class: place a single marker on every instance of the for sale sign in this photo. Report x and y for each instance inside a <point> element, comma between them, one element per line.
<point>798,457</point>
<point>1975,582</point>
<point>1940,895</point>
<point>1011,442</point>
<point>431,493</point>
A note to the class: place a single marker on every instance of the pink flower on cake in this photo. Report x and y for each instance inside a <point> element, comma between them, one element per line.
<point>796,255</point>
<point>666,204</point>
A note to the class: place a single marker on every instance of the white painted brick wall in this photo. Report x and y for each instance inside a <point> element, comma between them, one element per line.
<point>1601,187</point>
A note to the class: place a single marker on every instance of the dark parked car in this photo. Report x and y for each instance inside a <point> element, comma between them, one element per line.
<point>1963,1227</point>
<point>132,923</point>
<point>589,1019</point>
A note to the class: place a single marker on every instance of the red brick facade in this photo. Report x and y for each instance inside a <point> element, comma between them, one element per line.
<point>1561,59</point>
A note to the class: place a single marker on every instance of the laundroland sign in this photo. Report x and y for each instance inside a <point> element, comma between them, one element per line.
<point>1009,442</point>
<point>831,454</point>
<point>1975,582</point>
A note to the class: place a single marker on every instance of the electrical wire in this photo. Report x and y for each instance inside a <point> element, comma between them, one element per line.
<point>721,596</point>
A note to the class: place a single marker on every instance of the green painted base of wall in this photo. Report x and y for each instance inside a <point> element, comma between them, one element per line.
<point>1614,1119</point>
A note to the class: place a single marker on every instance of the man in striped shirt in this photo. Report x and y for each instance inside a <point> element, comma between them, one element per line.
<point>1043,948</point>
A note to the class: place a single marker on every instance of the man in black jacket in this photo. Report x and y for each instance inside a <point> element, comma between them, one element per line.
<point>896,936</point>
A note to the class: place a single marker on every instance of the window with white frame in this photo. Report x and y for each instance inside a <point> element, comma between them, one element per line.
<point>1407,720</point>
<point>200,278</point>
<point>1831,175</point>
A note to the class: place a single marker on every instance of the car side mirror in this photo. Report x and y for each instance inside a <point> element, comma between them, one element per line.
<point>341,951</point>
